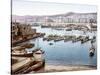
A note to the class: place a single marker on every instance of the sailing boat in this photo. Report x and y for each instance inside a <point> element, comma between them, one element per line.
<point>92,50</point>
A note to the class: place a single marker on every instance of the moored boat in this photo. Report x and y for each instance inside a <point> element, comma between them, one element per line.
<point>91,51</point>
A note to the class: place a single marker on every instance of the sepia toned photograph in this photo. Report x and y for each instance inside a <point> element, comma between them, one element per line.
<point>52,37</point>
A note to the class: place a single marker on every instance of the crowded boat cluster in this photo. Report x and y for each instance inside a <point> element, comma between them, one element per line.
<point>72,38</point>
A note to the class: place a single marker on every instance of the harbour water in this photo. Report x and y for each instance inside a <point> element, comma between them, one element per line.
<point>65,53</point>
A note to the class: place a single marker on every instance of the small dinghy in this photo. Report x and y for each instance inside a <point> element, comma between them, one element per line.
<point>50,43</point>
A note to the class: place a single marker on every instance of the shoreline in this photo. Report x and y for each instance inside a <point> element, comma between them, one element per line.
<point>63,68</point>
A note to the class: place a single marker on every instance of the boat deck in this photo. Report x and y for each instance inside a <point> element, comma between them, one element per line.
<point>21,64</point>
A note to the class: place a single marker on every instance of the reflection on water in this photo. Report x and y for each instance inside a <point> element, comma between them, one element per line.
<point>66,53</point>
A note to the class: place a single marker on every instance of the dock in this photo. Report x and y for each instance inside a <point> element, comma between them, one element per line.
<point>14,42</point>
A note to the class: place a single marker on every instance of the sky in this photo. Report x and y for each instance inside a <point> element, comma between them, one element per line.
<point>25,7</point>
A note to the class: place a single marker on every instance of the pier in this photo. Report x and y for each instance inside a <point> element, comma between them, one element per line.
<point>23,62</point>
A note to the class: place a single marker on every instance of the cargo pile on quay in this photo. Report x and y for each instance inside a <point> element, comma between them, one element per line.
<point>22,33</point>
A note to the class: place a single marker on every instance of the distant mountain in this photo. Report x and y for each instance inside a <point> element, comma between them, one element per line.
<point>67,17</point>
